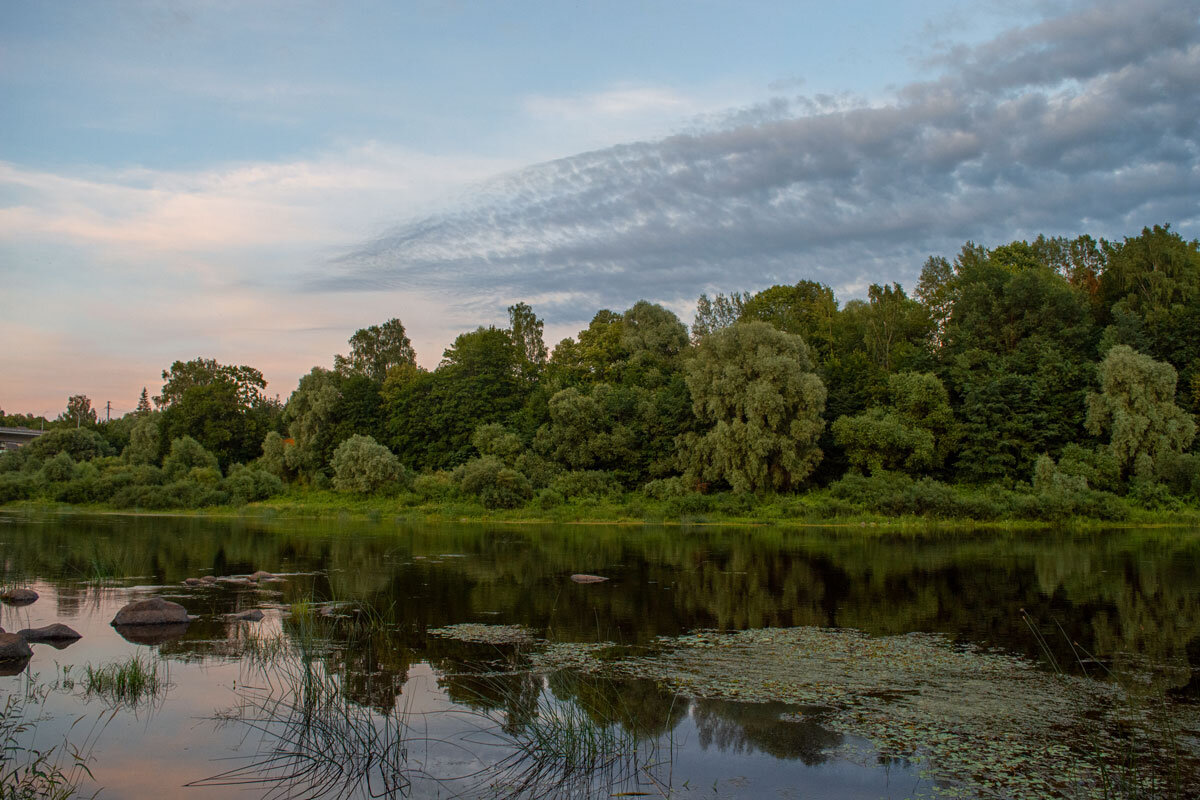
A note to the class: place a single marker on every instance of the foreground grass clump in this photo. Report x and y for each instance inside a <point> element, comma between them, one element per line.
<point>129,683</point>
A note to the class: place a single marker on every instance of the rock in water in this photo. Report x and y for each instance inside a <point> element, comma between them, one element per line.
<point>14,648</point>
<point>261,575</point>
<point>151,611</point>
<point>192,581</point>
<point>13,667</point>
<point>581,578</point>
<point>19,597</point>
<point>50,633</point>
<point>253,615</point>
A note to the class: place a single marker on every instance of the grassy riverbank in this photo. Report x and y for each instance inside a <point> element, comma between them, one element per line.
<point>995,509</point>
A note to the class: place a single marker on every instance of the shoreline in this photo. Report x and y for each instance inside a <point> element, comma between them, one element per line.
<point>324,505</point>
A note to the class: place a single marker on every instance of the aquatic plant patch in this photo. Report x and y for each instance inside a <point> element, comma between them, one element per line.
<point>982,723</point>
<point>477,633</point>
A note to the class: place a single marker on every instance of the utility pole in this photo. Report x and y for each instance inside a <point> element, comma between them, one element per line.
<point>107,410</point>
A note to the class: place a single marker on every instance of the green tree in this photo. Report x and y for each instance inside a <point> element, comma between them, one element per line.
<point>183,375</point>
<point>598,355</point>
<point>714,314</point>
<point>310,417</point>
<point>143,404</point>
<point>376,349</point>
<point>274,458</point>
<point>525,330</point>
<point>143,447</point>
<point>431,416</point>
<point>1018,357</point>
<point>1150,300</point>
<point>213,415</point>
<point>807,309</point>
<point>754,385</point>
<point>1136,409</point>
<point>79,411</point>
<point>913,433</point>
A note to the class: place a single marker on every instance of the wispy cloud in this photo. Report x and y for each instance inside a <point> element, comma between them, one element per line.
<point>1083,122</point>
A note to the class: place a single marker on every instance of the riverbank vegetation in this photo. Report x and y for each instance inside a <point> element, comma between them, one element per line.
<point>1043,381</point>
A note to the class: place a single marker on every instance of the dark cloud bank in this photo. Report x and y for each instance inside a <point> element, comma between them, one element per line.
<point>1087,122</point>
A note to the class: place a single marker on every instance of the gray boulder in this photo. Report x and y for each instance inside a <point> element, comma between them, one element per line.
<point>14,648</point>
<point>151,611</point>
<point>50,633</point>
<point>581,578</point>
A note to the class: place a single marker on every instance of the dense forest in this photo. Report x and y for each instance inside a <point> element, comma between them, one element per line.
<point>1059,377</point>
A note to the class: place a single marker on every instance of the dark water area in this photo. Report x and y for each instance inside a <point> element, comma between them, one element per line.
<point>369,601</point>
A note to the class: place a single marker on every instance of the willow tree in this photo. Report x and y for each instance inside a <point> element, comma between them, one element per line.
<point>1136,407</point>
<point>755,386</point>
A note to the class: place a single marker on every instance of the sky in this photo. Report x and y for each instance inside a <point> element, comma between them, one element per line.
<point>253,181</point>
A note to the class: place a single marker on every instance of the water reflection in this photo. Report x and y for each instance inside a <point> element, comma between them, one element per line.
<point>362,598</point>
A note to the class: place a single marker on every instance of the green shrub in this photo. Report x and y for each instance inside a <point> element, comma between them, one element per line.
<point>1152,496</point>
<point>540,471</point>
<point>81,444</point>
<point>59,468</point>
<point>496,485</point>
<point>1181,473</point>
<point>691,503</point>
<point>361,464</point>
<point>547,499</point>
<point>249,484</point>
<point>14,486</point>
<point>665,488</point>
<point>496,440</point>
<point>596,484</point>
<point>186,454</point>
<point>12,460</point>
<point>435,485</point>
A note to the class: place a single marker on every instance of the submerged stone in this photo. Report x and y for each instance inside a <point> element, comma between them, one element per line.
<point>19,597</point>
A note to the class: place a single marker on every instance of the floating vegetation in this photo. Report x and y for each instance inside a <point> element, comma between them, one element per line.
<point>981,723</point>
<point>132,683</point>
<point>478,633</point>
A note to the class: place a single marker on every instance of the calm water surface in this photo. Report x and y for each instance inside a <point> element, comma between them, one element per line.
<point>448,717</point>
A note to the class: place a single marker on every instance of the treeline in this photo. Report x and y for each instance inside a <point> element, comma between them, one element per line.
<point>1035,379</point>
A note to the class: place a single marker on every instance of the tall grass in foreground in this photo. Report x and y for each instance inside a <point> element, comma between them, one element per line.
<point>312,739</point>
<point>566,736</point>
<point>310,734</point>
<point>133,683</point>
<point>1148,761</point>
<point>28,772</point>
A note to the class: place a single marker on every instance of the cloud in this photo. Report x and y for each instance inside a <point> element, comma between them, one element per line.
<point>301,204</point>
<point>1084,122</point>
